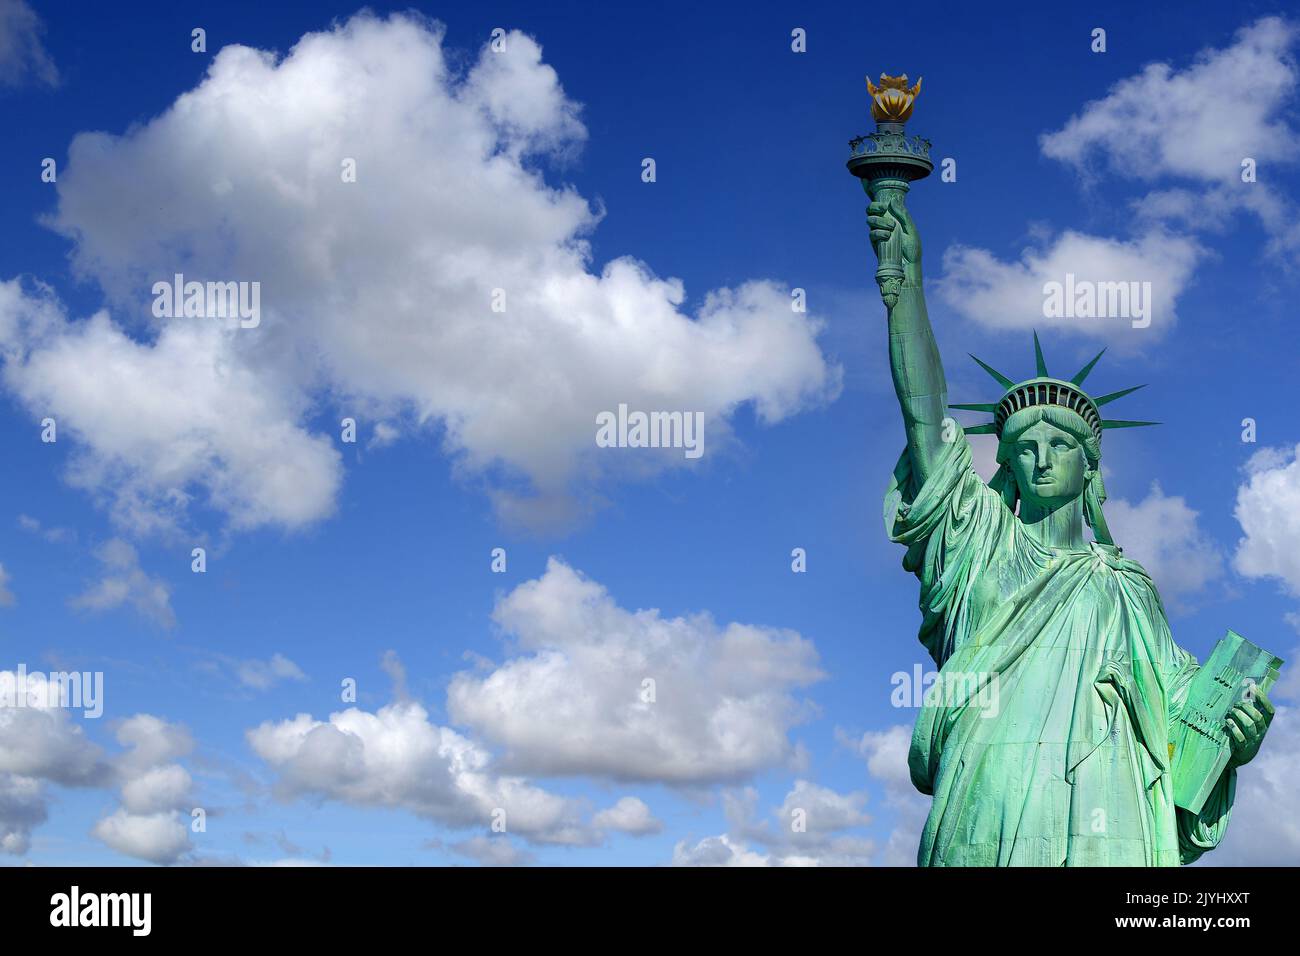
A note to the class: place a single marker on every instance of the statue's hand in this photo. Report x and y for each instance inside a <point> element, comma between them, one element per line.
<point>884,218</point>
<point>1246,724</point>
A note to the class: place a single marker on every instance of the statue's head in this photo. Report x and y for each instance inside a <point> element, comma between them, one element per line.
<point>1049,440</point>
<point>1052,454</point>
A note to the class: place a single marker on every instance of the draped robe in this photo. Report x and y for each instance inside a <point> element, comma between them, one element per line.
<point>1045,741</point>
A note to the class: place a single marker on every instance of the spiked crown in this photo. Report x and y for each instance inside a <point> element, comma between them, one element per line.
<point>1043,389</point>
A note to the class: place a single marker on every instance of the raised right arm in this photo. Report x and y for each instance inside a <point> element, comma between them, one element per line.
<point>913,354</point>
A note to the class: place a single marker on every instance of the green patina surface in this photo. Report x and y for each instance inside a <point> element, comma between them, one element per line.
<point>1048,739</point>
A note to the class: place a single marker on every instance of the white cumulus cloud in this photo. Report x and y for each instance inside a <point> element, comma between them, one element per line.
<point>397,758</point>
<point>632,695</point>
<point>152,823</point>
<point>1196,122</point>
<point>885,752</point>
<point>376,294</point>
<point>1162,534</point>
<point>1002,294</point>
<point>1193,124</point>
<point>1268,510</point>
<point>39,745</point>
<point>807,829</point>
<point>154,837</point>
<point>629,815</point>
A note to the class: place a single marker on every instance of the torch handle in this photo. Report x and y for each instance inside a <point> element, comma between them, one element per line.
<point>889,270</point>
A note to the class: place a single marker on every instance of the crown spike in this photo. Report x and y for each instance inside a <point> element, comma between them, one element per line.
<point>1080,375</point>
<point>1038,357</point>
<point>987,428</point>
<point>989,407</point>
<point>998,376</point>
<point>1114,395</point>
<point>1117,423</point>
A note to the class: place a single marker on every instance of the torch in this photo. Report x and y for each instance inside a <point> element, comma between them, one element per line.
<point>887,161</point>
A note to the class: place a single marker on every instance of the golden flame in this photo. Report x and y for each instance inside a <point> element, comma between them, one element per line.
<point>892,101</point>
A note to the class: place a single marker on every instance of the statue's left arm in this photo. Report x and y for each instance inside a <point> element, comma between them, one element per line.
<point>1246,725</point>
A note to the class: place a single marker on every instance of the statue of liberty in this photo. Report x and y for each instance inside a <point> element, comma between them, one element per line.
<point>1072,764</point>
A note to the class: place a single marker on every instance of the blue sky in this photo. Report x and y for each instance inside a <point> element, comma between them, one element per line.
<point>522,170</point>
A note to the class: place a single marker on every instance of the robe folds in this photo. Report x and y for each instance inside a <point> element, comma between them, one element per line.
<point>1045,740</point>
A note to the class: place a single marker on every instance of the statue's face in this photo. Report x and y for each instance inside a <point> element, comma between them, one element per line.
<point>1049,465</point>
